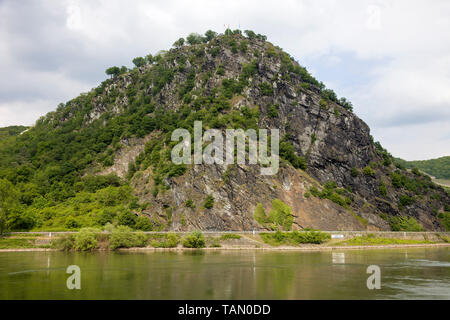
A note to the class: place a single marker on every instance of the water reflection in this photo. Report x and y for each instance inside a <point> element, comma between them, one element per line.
<point>412,273</point>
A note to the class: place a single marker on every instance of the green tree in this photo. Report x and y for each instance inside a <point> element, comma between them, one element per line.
<point>250,34</point>
<point>281,214</point>
<point>179,43</point>
<point>127,218</point>
<point>149,58</point>
<point>139,61</point>
<point>9,203</point>
<point>123,70</point>
<point>194,240</point>
<point>209,35</point>
<point>113,71</point>
<point>194,38</point>
<point>86,239</point>
<point>287,152</point>
<point>346,104</point>
<point>143,223</point>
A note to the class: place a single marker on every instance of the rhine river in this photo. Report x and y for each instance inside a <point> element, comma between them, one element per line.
<point>413,273</point>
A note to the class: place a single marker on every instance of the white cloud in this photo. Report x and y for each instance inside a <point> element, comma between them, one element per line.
<point>53,50</point>
<point>23,113</point>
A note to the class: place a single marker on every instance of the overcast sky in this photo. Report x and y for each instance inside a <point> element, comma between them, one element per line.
<point>390,58</point>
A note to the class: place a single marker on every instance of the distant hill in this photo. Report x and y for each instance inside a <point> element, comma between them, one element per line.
<point>8,132</point>
<point>439,168</point>
<point>11,131</point>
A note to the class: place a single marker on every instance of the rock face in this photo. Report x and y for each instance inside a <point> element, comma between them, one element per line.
<point>336,144</point>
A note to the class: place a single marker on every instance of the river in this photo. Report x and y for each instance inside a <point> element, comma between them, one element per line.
<point>412,273</point>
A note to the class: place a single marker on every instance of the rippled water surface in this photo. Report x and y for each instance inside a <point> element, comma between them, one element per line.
<point>415,273</point>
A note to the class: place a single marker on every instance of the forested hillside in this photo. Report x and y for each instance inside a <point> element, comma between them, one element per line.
<point>439,168</point>
<point>104,156</point>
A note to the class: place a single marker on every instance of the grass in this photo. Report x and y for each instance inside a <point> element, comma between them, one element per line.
<point>17,243</point>
<point>373,241</point>
<point>361,220</point>
<point>229,236</point>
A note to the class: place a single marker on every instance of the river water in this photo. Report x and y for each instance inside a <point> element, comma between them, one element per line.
<point>413,273</point>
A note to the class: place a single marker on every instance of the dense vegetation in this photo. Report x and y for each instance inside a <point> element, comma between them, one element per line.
<point>280,216</point>
<point>11,131</point>
<point>295,237</point>
<point>88,239</point>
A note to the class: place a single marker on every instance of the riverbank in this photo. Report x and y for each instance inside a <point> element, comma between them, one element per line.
<point>234,248</point>
<point>125,240</point>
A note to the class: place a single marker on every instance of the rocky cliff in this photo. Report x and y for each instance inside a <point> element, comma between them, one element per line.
<point>336,144</point>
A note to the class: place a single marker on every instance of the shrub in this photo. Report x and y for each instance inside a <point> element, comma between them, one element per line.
<point>315,237</point>
<point>143,223</point>
<point>272,111</point>
<point>323,104</point>
<point>355,172</point>
<point>194,240</point>
<point>209,202</point>
<point>405,200</point>
<point>368,171</point>
<point>404,224</point>
<point>170,240</point>
<point>382,188</point>
<point>105,216</point>
<point>288,153</point>
<point>260,214</point>
<point>64,242</point>
<point>243,46</point>
<point>127,218</point>
<point>271,51</point>
<point>215,51</point>
<point>281,214</point>
<point>140,239</point>
<point>445,220</point>
<point>71,223</point>
<point>124,237</point>
<point>295,237</point>
<point>86,239</point>
<point>190,204</point>
<point>266,89</point>
<point>333,193</point>
<point>214,243</point>
<point>220,70</point>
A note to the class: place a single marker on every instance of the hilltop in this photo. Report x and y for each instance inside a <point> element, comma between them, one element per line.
<point>104,157</point>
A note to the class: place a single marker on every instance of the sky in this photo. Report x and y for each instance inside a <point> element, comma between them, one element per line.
<point>390,58</point>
